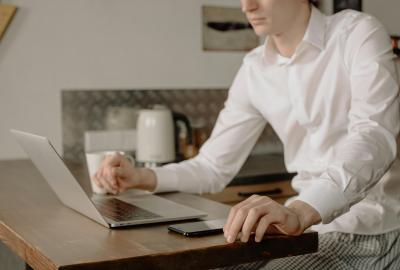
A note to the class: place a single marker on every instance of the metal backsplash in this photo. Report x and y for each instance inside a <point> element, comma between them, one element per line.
<point>84,110</point>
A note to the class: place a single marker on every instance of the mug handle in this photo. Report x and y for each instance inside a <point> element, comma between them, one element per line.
<point>130,158</point>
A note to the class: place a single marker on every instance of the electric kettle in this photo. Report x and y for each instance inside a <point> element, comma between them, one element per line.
<point>157,136</point>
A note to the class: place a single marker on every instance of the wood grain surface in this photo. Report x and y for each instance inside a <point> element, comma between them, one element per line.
<point>47,235</point>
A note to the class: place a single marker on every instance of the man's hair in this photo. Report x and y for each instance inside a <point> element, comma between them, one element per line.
<point>314,2</point>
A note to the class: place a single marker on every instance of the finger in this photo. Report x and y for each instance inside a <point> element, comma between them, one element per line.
<point>259,207</point>
<point>240,217</point>
<point>232,214</point>
<point>96,181</point>
<point>106,185</point>
<point>99,177</point>
<point>262,227</point>
<point>247,204</point>
<point>100,171</point>
<point>237,223</point>
<point>110,177</point>
<point>100,183</point>
<point>229,220</point>
<point>117,172</point>
<point>114,160</point>
<point>275,216</point>
<point>253,216</point>
<point>118,176</point>
<point>125,162</point>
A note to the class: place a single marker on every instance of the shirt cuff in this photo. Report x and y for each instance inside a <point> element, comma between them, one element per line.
<point>326,198</point>
<point>167,180</point>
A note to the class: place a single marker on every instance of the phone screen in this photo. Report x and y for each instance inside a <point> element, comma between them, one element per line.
<point>199,228</point>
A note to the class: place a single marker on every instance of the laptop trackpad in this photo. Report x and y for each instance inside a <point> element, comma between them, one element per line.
<point>159,205</point>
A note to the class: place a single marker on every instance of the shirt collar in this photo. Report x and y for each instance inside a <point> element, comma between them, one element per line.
<point>315,34</point>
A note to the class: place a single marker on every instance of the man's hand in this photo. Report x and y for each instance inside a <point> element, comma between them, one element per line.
<point>117,174</point>
<point>261,215</point>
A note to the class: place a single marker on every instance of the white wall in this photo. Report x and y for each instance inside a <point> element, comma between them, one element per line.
<point>64,44</point>
<point>387,11</point>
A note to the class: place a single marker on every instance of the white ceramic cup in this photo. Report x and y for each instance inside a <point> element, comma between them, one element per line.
<point>94,160</point>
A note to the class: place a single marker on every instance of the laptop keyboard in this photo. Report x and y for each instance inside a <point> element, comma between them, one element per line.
<point>121,211</point>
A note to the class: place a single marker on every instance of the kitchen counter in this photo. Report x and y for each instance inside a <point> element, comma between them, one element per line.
<point>257,169</point>
<point>262,168</point>
<point>264,175</point>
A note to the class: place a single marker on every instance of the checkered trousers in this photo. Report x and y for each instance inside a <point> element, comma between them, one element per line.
<point>342,251</point>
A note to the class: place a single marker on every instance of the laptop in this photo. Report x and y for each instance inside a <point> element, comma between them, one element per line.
<point>109,211</point>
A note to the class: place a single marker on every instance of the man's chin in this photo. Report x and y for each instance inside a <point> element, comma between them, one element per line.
<point>261,31</point>
<point>262,34</point>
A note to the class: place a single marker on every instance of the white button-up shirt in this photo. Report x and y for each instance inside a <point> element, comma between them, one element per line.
<point>334,105</point>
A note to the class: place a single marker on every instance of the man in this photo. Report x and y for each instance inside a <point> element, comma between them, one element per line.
<point>327,85</point>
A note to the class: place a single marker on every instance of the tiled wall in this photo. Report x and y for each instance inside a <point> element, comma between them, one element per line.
<point>88,109</point>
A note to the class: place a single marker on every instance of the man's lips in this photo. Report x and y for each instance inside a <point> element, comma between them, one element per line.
<point>256,20</point>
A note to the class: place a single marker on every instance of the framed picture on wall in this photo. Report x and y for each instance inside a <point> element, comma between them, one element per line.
<point>6,14</point>
<point>339,5</point>
<point>227,29</point>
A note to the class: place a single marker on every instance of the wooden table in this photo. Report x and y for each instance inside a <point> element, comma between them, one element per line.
<point>48,235</point>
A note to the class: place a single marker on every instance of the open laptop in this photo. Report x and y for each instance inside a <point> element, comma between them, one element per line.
<point>109,211</point>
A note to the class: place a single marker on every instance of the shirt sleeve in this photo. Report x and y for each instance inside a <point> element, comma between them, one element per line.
<point>237,128</point>
<point>369,148</point>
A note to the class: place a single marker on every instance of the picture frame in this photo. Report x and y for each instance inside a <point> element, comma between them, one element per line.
<point>227,29</point>
<point>395,45</point>
<point>6,14</point>
<point>339,5</point>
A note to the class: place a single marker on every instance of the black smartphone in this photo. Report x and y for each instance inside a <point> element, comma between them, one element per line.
<point>199,228</point>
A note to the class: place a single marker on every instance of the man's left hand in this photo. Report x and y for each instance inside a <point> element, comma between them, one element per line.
<point>261,215</point>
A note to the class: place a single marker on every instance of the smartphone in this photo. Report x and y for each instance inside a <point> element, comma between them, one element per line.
<point>199,228</point>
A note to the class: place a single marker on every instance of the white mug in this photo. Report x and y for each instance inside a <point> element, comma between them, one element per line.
<point>94,160</point>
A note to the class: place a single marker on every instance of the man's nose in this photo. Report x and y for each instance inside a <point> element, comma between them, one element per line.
<point>249,5</point>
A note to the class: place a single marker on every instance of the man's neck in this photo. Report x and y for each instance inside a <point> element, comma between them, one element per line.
<point>287,42</point>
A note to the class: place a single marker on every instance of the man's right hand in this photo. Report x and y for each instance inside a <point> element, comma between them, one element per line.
<point>116,174</point>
